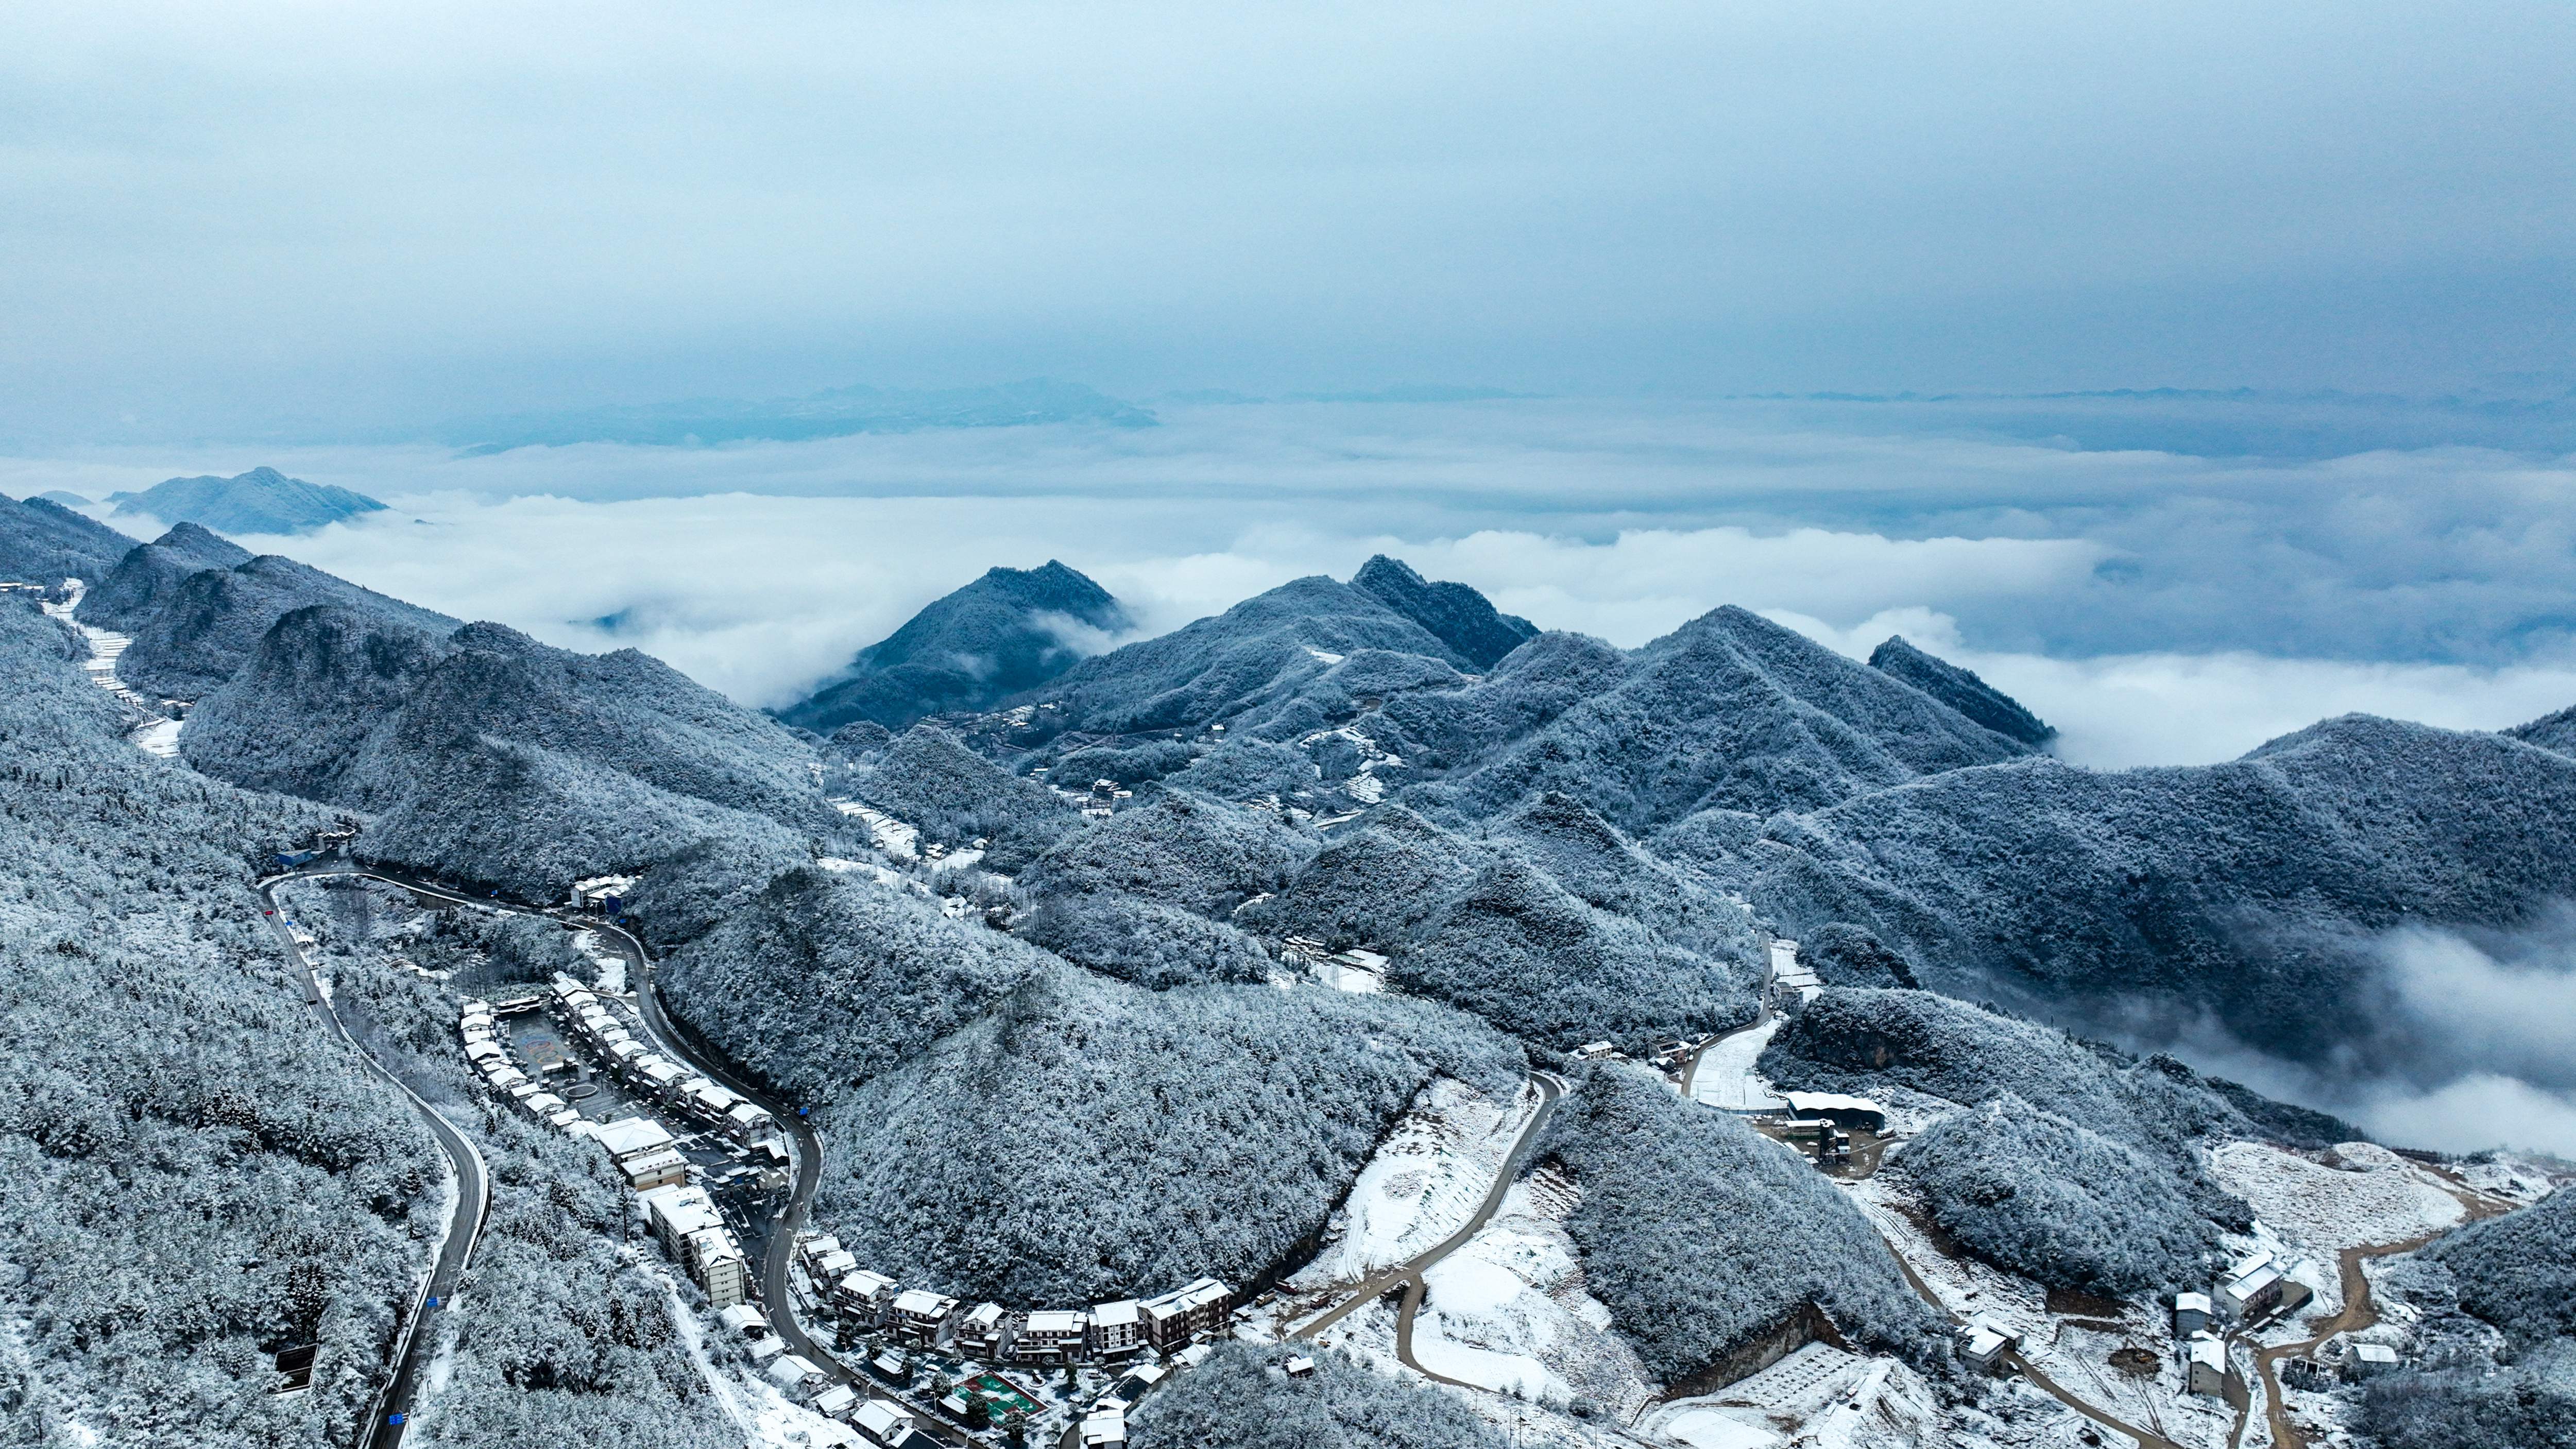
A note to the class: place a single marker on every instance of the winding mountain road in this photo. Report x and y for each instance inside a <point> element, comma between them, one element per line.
<point>391,1411</point>
<point>1411,1270</point>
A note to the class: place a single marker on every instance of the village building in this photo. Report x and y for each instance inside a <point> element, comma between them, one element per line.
<point>837,1402</point>
<point>983,1332</point>
<point>1175,1318</point>
<point>883,1422</point>
<point>863,1295</point>
<point>719,1267</point>
<point>2205,1365</point>
<point>793,1374</point>
<point>1117,1329</point>
<point>1299,1366</point>
<point>1050,1336</point>
<point>746,1320</point>
<point>1835,1107</point>
<point>2368,1360</point>
<point>1105,1427</point>
<point>2191,1314</point>
<point>2253,1294</point>
<point>659,1167</point>
<point>1985,1343</point>
<point>920,1314</point>
<point>743,1122</point>
<point>835,1265</point>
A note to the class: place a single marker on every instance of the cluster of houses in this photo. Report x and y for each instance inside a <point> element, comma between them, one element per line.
<point>880,1422</point>
<point>480,1026</point>
<point>990,1333</point>
<point>1352,970</point>
<point>2254,1291</point>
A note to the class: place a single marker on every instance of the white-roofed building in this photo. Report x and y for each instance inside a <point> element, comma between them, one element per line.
<point>835,1265</point>
<point>2191,1313</point>
<point>984,1332</point>
<point>746,1320</point>
<point>658,1168</point>
<point>882,1421</point>
<point>1175,1318</point>
<point>837,1402</point>
<point>2251,1294</point>
<point>1837,1108</point>
<point>1984,1343</point>
<point>862,1294</point>
<point>2204,1359</point>
<point>2368,1359</point>
<point>743,1121</point>
<point>1050,1336</point>
<point>793,1373</point>
<point>920,1314</point>
<point>630,1135</point>
<point>1117,1329</point>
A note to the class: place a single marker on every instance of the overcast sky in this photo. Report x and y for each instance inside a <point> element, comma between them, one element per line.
<point>250,219</point>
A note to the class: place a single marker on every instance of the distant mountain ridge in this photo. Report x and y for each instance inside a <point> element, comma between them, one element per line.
<point>1009,631</point>
<point>197,606</point>
<point>836,412</point>
<point>262,500</point>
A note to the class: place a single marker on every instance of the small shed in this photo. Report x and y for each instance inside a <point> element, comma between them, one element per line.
<point>2191,1314</point>
<point>2367,1360</point>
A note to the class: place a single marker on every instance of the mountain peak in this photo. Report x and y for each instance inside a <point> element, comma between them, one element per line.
<point>1457,615</point>
<point>1009,630</point>
<point>1962,690</point>
<point>262,500</point>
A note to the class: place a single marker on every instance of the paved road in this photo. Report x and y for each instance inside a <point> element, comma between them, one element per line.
<point>1371,1288</point>
<point>464,1226</point>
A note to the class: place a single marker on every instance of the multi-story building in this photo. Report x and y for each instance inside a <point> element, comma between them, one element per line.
<point>1195,1311</point>
<point>984,1333</point>
<point>920,1314</point>
<point>1050,1336</point>
<point>1117,1329</point>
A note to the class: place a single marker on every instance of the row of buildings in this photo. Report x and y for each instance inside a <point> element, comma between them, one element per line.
<point>683,1217</point>
<point>648,1073</point>
<point>994,1334</point>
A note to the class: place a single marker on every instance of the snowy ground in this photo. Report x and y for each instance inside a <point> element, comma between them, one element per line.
<point>1818,1396</point>
<point>1726,1079</point>
<point>1509,1311</point>
<point>1423,1184</point>
<point>2308,1209</point>
<point>2075,1356</point>
<point>160,738</point>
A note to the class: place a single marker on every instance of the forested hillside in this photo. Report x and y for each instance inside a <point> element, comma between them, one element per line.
<point>2495,1339</point>
<point>1087,1139</point>
<point>193,1174</point>
<point>1243,1398</point>
<point>189,637</point>
<point>42,542</point>
<point>2249,889</point>
<point>1455,614</point>
<point>148,575</point>
<point>1701,1234</point>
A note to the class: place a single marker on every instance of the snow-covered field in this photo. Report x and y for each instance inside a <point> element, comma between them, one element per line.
<point>1509,1311</point>
<point>1424,1183</point>
<point>2363,1194</point>
<point>1726,1079</point>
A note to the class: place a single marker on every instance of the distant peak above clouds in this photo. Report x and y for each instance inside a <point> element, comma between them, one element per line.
<point>833,413</point>
<point>1010,630</point>
<point>262,500</point>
